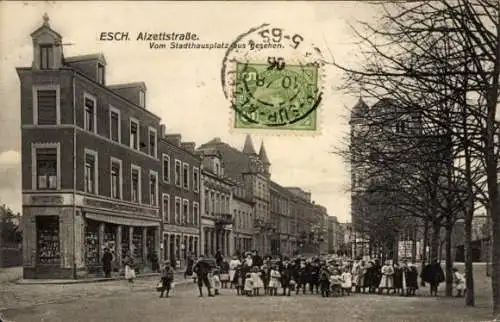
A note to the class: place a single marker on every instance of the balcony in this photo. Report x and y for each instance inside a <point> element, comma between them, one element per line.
<point>264,226</point>
<point>222,220</point>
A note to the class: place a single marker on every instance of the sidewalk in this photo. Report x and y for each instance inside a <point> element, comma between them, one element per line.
<point>15,274</point>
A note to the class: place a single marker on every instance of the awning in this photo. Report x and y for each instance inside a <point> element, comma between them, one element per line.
<point>122,220</point>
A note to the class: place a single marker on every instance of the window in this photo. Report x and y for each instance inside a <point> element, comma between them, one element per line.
<point>100,73</point>
<point>196,179</point>
<point>45,159</point>
<point>177,209</point>
<point>46,56</point>
<point>166,208</point>
<point>116,178</point>
<point>166,168</point>
<point>185,175</point>
<point>152,142</point>
<point>89,110</point>
<point>207,203</point>
<point>134,134</point>
<point>91,171</point>
<point>46,103</point>
<point>142,99</point>
<point>135,182</point>
<point>177,173</point>
<point>114,124</point>
<point>185,212</point>
<point>153,188</point>
<point>196,213</point>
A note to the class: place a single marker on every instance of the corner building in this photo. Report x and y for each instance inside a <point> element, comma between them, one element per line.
<point>90,165</point>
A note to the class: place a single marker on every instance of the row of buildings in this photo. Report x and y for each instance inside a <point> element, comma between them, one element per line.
<point>99,171</point>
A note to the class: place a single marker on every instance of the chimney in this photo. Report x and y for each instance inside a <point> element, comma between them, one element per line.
<point>162,130</point>
<point>174,139</point>
<point>189,146</point>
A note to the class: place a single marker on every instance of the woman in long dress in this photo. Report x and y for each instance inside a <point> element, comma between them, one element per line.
<point>128,262</point>
<point>387,281</point>
<point>233,264</point>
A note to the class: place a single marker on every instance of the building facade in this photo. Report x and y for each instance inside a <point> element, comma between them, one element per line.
<point>281,215</point>
<point>217,220</point>
<point>90,164</point>
<point>242,206</point>
<point>180,186</point>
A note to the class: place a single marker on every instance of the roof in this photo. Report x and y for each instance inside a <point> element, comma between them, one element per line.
<point>97,56</point>
<point>263,155</point>
<point>235,161</point>
<point>45,26</point>
<point>128,85</point>
<point>248,147</point>
<point>360,109</point>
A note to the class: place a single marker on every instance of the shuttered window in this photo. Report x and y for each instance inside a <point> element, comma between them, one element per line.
<point>46,106</point>
<point>46,56</point>
<point>46,168</point>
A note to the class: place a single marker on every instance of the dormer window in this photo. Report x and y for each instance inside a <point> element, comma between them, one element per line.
<point>100,73</point>
<point>46,56</point>
<point>142,99</point>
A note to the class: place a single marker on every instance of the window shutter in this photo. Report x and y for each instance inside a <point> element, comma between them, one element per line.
<point>47,107</point>
<point>114,126</point>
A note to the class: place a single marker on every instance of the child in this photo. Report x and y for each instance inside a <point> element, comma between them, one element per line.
<point>248,289</point>
<point>216,283</point>
<point>224,274</point>
<point>324,282</point>
<point>459,281</point>
<point>167,277</point>
<point>335,283</point>
<point>346,281</point>
<point>257,280</point>
<point>237,280</point>
<point>274,281</point>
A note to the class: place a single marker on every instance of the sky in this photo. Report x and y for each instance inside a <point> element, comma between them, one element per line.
<point>184,86</point>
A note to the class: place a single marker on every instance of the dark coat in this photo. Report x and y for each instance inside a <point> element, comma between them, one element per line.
<point>202,268</point>
<point>398,277</point>
<point>411,275</point>
<point>433,274</point>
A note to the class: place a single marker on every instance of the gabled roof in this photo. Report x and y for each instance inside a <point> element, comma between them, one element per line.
<point>361,109</point>
<point>248,147</point>
<point>263,155</point>
<point>235,162</point>
<point>45,27</point>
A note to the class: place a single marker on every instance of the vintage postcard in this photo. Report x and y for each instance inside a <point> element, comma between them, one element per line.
<point>247,161</point>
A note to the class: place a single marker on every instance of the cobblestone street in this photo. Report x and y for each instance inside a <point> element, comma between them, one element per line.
<point>114,301</point>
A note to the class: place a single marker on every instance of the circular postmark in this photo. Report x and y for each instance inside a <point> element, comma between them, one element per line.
<point>272,79</point>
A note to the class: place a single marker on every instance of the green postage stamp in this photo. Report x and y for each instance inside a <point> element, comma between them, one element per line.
<point>273,82</point>
<point>280,98</point>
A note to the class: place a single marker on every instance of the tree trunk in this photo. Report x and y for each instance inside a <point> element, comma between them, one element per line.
<point>495,258</point>
<point>435,241</point>
<point>414,245</point>
<point>449,260</point>
<point>469,278</point>
<point>425,243</point>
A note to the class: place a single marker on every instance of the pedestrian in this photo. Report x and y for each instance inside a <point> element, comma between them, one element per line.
<point>274,280</point>
<point>387,281</point>
<point>224,273</point>
<point>434,275</point>
<point>459,281</point>
<point>248,288</point>
<point>107,259</point>
<point>233,264</point>
<point>346,284</point>
<point>398,280</point>
<point>411,276</point>
<point>202,270</point>
<point>215,280</point>
<point>167,278</point>
<point>257,282</point>
<point>189,265</point>
<point>128,263</point>
<point>324,282</point>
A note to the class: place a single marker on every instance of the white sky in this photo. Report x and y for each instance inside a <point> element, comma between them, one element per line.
<point>184,86</point>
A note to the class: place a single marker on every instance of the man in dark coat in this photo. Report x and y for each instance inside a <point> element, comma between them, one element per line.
<point>189,265</point>
<point>434,275</point>
<point>202,269</point>
<point>107,259</point>
<point>256,259</point>
<point>287,273</point>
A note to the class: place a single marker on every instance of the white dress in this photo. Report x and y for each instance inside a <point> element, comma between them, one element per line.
<point>232,268</point>
<point>274,281</point>
<point>129,272</point>
<point>387,280</point>
<point>346,278</point>
<point>257,280</point>
<point>459,280</point>
<point>249,283</point>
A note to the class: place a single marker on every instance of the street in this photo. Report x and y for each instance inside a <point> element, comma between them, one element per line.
<point>114,301</point>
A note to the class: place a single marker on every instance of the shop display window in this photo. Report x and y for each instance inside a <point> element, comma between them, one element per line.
<point>48,245</point>
<point>92,243</point>
<point>125,242</point>
<point>137,242</point>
